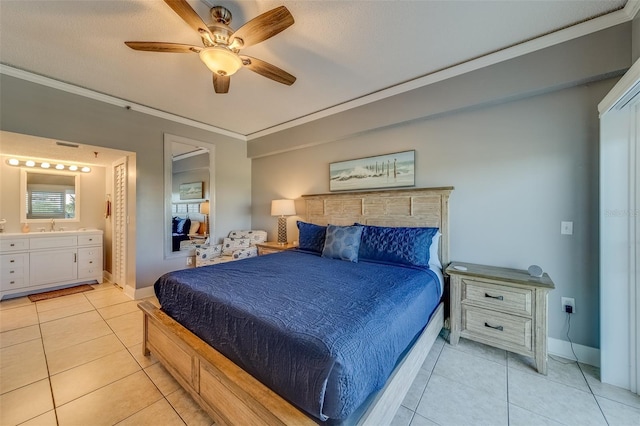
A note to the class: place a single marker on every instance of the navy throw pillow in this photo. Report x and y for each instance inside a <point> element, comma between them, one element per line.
<point>405,246</point>
<point>311,237</point>
<point>183,226</point>
<point>342,242</point>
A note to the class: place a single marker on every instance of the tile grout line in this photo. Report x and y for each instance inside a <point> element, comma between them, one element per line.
<point>141,369</point>
<point>506,354</point>
<point>46,361</point>
<point>427,384</point>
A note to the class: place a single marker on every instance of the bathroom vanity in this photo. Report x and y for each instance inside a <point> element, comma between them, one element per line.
<point>39,261</point>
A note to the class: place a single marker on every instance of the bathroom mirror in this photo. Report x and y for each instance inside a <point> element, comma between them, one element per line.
<point>47,195</point>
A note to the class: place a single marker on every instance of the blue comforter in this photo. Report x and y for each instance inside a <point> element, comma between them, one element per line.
<point>322,333</point>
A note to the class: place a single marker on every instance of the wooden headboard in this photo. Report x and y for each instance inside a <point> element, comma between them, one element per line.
<point>418,207</point>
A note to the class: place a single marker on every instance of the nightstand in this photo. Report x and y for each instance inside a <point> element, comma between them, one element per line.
<point>273,247</point>
<point>501,307</point>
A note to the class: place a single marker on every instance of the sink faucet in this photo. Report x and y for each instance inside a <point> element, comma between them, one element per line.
<point>53,225</point>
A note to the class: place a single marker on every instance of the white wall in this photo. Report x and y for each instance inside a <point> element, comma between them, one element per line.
<point>519,169</point>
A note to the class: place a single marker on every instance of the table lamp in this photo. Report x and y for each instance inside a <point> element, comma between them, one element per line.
<point>204,209</point>
<point>282,208</point>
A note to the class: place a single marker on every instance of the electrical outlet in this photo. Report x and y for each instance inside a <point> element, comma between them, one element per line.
<point>189,261</point>
<point>568,301</point>
<point>566,228</point>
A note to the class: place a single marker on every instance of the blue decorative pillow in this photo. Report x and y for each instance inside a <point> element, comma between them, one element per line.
<point>311,237</point>
<point>183,226</point>
<point>406,246</point>
<point>342,242</point>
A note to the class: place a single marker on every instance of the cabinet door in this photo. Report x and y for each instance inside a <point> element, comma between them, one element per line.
<point>52,266</point>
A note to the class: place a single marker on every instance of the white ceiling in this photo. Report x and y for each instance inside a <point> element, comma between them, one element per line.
<point>338,50</point>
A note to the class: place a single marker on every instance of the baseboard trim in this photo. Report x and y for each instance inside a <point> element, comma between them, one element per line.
<point>142,293</point>
<point>585,354</point>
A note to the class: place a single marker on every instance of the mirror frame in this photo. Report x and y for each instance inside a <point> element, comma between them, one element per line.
<point>23,194</point>
<point>168,178</point>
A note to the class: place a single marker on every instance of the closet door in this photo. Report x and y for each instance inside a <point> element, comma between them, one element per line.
<point>119,213</point>
<point>620,233</point>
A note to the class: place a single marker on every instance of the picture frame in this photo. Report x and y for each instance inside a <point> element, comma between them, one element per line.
<point>380,171</point>
<point>191,191</point>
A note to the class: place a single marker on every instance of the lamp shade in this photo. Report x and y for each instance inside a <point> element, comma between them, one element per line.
<point>220,60</point>
<point>204,207</point>
<point>283,208</point>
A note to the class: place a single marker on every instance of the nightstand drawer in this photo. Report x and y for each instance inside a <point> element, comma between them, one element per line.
<point>509,331</point>
<point>495,296</point>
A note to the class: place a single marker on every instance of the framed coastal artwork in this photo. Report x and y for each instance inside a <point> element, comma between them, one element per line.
<point>382,171</point>
<point>191,191</point>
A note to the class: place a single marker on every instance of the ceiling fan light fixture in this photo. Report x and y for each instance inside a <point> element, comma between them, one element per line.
<point>220,60</point>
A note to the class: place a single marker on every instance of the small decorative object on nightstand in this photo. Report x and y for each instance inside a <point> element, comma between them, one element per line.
<point>505,308</point>
<point>273,247</point>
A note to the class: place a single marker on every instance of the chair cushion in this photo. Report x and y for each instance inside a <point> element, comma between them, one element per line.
<point>255,236</point>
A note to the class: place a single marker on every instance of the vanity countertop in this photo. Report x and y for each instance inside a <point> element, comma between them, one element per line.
<point>48,233</point>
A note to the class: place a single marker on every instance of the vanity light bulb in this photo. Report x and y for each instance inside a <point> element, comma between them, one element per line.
<point>59,166</point>
<point>86,169</point>
<point>73,168</point>
<point>30,163</point>
<point>14,162</point>
<point>45,165</point>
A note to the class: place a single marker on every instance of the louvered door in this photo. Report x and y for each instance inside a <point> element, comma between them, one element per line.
<point>119,213</point>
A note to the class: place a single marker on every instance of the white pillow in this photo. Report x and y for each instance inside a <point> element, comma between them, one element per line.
<point>434,260</point>
<point>195,225</point>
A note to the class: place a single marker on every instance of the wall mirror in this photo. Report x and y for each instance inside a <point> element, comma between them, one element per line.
<point>189,196</point>
<point>47,195</point>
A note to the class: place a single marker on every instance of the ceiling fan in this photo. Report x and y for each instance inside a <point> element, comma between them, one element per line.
<point>222,45</point>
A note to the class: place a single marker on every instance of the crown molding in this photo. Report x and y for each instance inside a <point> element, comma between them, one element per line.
<point>624,86</point>
<point>632,8</point>
<point>579,30</point>
<point>112,100</point>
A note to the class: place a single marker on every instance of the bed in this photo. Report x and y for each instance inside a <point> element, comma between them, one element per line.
<point>321,372</point>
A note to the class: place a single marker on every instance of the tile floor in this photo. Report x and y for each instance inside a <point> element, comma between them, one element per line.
<point>76,360</point>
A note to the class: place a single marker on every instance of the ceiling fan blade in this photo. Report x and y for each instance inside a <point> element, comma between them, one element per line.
<point>265,69</point>
<point>263,26</point>
<point>186,12</point>
<point>221,83</point>
<point>154,46</point>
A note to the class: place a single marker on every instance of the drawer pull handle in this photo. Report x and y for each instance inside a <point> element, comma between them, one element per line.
<point>499,327</point>
<point>12,245</point>
<point>11,272</point>
<point>12,261</point>
<point>12,282</point>
<point>494,297</point>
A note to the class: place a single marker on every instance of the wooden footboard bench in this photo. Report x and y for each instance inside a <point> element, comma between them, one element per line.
<point>231,396</point>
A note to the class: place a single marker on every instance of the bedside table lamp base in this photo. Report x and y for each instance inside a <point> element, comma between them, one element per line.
<point>282,208</point>
<point>282,230</point>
